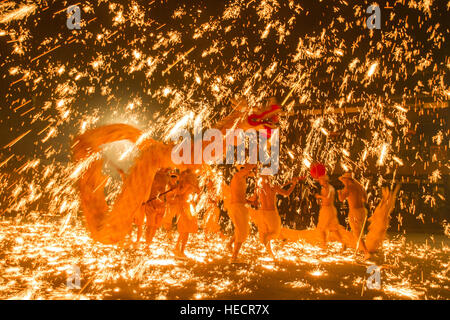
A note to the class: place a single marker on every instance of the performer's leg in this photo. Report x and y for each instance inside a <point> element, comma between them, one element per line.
<point>273,229</point>
<point>230,244</point>
<point>169,234</point>
<point>262,236</point>
<point>233,237</point>
<point>169,216</point>
<point>240,219</point>
<point>356,232</point>
<point>339,236</point>
<point>139,221</point>
<point>184,240</point>
<point>177,248</point>
<point>237,247</point>
<point>265,237</point>
<point>168,226</point>
<point>150,214</point>
<point>323,238</point>
<point>322,226</point>
<point>217,223</point>
<point>363,248</point>
<point>269,247</point>
<point>259,218</point>
<point>181,244</point>
<point>239,238</point>
<point>150,234</point>
<point>139,233</point>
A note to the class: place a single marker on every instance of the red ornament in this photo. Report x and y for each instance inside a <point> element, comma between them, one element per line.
<point>317,170</point>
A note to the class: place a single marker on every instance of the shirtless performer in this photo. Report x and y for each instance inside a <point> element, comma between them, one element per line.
<point>357,197</point>
<point>187,222</point>
<point>328,220</point>
<point>238,212</point>
<point>155,206</point>
<point>226,196</point>
<point>212,215</point>
<point>269,221</point>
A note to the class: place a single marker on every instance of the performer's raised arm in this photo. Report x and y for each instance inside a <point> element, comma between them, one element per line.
<point>286,193</point>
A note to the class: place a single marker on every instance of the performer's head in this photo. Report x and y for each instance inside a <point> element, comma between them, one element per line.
<point>266,179</point>
<point>272,101</point>
<point>347,178</point>
<point>248,168</point>
<point>323,180</point>
<point>173,177</point>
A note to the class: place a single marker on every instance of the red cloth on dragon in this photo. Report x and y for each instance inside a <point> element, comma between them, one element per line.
<point>261,118</point>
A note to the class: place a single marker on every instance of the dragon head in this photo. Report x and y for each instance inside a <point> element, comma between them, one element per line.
<point>266,118</point>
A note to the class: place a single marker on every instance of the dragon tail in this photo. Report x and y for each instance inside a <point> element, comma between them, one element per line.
<point>379,221</point>
<point>111,226</point>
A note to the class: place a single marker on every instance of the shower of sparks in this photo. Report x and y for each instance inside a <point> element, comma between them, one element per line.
<point>17,14</point>
<point>383,152</point>
<point>414,270</point>
<point>164,67</point>
<point>372,69</point>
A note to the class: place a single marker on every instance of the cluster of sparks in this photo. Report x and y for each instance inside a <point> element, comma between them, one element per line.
<point>183,69</point>
<point>37,262</point>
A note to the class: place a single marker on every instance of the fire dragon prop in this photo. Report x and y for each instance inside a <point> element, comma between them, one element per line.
<point>110,226</point>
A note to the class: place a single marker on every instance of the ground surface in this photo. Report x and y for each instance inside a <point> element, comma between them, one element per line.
<point>36,260</point>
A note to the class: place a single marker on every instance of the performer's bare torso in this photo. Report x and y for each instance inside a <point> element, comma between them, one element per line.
<point>239,186</point>
<point>226,194</point>
<point>327,194</point>
<point>187,186</point>
<point>267,193</point>
<point>267,196</point>
<point>355,195</point>
<point>159,183</point>
<point>173,184</point>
